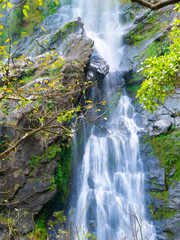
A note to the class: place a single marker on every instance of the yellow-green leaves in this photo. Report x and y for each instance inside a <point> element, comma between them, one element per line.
<point>43,29</point>
<point>23,34</point>
<point>25,10</point>
<point>40,3</point>
<point>56,2</point>
<point>7,40</point>
<point>160,73</point>
<point>9,5</point>
<point>1,29</point>
<point>4,5</point>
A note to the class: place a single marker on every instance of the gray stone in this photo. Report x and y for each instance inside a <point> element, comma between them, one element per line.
<point>174,197</point>
<point>99,65</point>
<point>77,47</point>
<point>97,69</point>
<point>1,116</point>
<point>160,127</point>
<point>172,172</point>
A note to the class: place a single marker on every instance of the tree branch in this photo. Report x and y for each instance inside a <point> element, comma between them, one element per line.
<point>153,5</point>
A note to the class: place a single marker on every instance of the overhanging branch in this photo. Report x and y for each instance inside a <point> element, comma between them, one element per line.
<point>153,5</point>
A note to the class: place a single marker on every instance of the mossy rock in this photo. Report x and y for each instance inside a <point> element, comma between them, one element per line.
<point>57,38</point>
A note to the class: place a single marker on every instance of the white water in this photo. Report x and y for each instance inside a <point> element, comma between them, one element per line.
<point>110,202</point>
<point>103,26</point>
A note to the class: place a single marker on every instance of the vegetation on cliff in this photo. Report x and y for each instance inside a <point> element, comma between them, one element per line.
<point>162,74</point>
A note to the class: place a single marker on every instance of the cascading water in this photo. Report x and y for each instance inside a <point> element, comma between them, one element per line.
<point>103,26</point>
<point>110,199</point>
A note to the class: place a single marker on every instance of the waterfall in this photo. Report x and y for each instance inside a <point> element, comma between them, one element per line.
<point>110,202</point>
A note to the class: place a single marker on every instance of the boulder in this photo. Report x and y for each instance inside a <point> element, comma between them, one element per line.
<point>98,66</point>
<point>77,48</point>
<point>160,127</point>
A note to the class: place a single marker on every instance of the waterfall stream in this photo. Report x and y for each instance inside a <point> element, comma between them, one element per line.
<point>110,197</point>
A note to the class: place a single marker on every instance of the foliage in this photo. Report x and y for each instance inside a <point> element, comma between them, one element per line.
<point>145,30</point>
<point>40,230</point>
<point>159,47</point>
<point>161,73</point>
<point>167,149</point>
<point>160,195</point>
<point>63,170</point>
<point>163,213</point>
<point>68,228</point>
<point>25,16</point>
<point>14,30</point>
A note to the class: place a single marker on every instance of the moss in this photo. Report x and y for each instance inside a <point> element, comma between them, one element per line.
<point>167,149</point>
<point>157,48</point>
<point>63,171</point>
<point>162,213</point>
<point>136,78</point>
<point>163,195</point>
<point>145,30</point>
<point>133,89</point>
<point>16,28</point>
<point>170,235</point>
<point>63,33</point>
<point>40,230</point>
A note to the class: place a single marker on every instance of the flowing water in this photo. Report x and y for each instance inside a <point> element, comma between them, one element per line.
<point>110,197</point>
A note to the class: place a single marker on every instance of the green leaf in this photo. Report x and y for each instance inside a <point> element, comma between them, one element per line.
<point>59,119</point>
<point>26,7</point>
<point>9,4</point>
<point>56,2</point>
<point>25,12</point>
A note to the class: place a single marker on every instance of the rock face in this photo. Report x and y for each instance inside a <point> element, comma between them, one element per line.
<point>41,41</point>
<point>27,173</point>
<point>168,112</point>
<point>163,198</point>
<point>163,204</point>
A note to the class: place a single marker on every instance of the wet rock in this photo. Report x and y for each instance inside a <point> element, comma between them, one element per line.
<point>116,79</point>
<point>160,127</point>
<point>174,196</point>
<point>74,27</point>
<point>1,116</point>
<point>91,183</point>
<point>172,172</point>
<point>98,67</point>
<point>139,120</point>
<point>91,214</point>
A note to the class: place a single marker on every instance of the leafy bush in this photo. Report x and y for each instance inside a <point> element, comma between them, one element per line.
<point>161,73</point>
